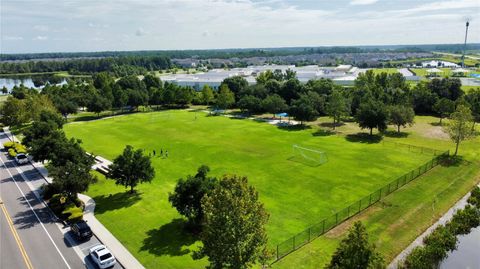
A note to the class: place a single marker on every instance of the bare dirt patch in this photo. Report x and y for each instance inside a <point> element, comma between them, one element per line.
<point>436,132</point>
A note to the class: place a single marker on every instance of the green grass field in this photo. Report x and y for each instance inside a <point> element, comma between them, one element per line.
<point>296,195</point>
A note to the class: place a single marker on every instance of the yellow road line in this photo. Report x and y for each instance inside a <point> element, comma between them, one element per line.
<point>28,263</point>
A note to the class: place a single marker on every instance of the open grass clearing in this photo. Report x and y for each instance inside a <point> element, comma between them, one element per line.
<point>395,222</point>
<point>296,195</point>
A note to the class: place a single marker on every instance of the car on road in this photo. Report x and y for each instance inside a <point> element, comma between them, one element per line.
<point>81,230</point>
<point>21,158</point>
<point>102,256</point>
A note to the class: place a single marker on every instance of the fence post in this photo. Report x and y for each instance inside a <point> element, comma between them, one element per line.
<point>309,233</point>
<point>277,252</point>
<point>398,179</point>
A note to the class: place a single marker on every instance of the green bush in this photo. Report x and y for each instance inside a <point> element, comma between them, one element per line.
<point>48,190</point>
<point>19,148</point>
<point>72,213</point>
<point>12,153</point>
<point>418,259</point>
<point>464,220</point>
<point>65,209</point>
<point>57,203</point>
<point>474,198</point>
<point>8,144</point>
<point>14,148</point>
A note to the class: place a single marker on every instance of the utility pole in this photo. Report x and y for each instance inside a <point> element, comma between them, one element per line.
<point>465,43</point>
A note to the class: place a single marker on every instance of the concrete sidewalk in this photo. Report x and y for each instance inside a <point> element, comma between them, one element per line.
<point>119,251</point>
<point>123,256</point>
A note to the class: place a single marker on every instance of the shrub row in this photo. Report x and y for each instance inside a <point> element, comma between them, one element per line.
<point>64,209</point>
<point>14,148</point>
<point>444,238</point>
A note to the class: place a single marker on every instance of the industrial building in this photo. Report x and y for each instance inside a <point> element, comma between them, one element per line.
<point>342,75</point>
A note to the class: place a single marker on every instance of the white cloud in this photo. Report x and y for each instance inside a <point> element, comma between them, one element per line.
<point>12,38</point>
<point>445,5</point>
<point>174,24</point>
<point>362,2</point>
<point>41,28</point>
<point>40,38</point>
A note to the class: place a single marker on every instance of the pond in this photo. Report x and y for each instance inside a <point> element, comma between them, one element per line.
<point>9,82</point>
<point>467,255</point>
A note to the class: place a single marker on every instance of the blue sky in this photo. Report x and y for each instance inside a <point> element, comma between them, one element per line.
<point>98,25</point>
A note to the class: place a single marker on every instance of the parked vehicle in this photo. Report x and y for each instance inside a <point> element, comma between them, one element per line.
<point>81,230</point>
<point>102,256</point>
<point>21,158</point>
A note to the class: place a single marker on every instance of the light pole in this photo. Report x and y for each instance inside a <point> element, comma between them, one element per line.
<point>465,43</point>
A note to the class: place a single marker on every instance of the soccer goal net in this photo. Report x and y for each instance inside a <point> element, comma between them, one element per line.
<point>309,156</point>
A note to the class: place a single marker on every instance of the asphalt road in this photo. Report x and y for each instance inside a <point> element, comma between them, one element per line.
<point>30,235</point>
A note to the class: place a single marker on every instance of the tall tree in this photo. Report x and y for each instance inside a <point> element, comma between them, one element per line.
<point>444,107</point>
<point>207,95</point>
<point>131,168</point>
<point>71,178</point>
<point>225,97</point>
<point>274,104</point>
<point>473,98</point>
<point>372,114</point>
<point>337,107</point>
<point>14,112</point>
<point>355,251</point>
<point>236,84</point>
<point>250,103</point>
<point>303,109</point>
<point>400,116</point>
<point>234,234</point>
<point>98,104</point>
<point>460,126</point>
<point>189,192</point>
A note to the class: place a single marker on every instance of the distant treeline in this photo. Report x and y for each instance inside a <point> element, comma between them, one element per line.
<point>240,53</point>
<point>120,66</point>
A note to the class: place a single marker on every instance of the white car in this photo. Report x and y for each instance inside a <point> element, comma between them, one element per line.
<point>21,158</point>
<point>102,256</point>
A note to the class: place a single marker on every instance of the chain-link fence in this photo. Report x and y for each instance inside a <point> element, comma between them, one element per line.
<point>329,223</point>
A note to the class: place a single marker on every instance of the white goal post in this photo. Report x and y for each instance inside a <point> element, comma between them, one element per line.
<point>314,156</point>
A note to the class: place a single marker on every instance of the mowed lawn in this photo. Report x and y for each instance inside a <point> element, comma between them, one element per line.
<point>295,195</point>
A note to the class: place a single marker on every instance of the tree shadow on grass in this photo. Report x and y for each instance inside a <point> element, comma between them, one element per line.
<point>455,161</point>
<point>292,128</point>
<point>170,239</point>
<point>364,138</point>
<point>436,123</point>
<point>118,200</point>
<point>330,124</point>
<point>323,132</point>
<point>395,134</point>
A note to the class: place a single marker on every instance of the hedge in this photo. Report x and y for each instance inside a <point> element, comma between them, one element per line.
<point>12,153</point>
<point>9,144</point>
<point>14,148</point>
<point>66,210</point>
